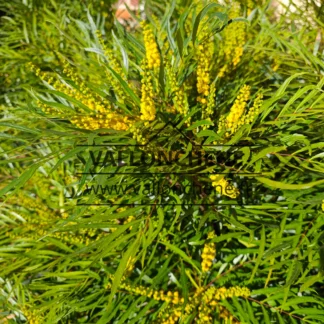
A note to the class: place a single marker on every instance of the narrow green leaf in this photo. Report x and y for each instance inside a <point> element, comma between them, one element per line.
<point>182,254</point>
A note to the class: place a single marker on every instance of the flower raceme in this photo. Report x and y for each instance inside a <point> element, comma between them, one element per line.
<point>205,301</point>
<point>150,65</point>
<point>151,49</point>
<point>238,116</point>
<point>83,94</point>
<point>102,115</point>
<point>205,52</point>
<point>253,111</point>
<point>148,110</point>
<point>116,66</point>
<point>234,40</point>
<point>206,90</point>
<point>208,254</point>
<point>208,110</point>
<point>238,108</point>
<point>40,221</point>
<point>179,96</point>
<point>32,316</point>
<point>111,121</point>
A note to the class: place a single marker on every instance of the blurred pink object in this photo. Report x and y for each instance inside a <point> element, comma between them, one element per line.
<point>122,13</point>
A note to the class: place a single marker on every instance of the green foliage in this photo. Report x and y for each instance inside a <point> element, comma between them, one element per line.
<point>72,251</point>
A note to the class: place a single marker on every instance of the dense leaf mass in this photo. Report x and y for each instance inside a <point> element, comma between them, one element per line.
<point>168,168</point>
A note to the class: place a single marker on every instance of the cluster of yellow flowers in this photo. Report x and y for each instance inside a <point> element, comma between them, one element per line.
<point>148,109</point>
<point>234,40</point>
<point>83,94</point>
<point>71,74</point>
<point>32,316</point>
<point>170,316</point>
<point>34,227</point>
<point>151,48</point>
<point>116,66</point>
<point>209,302</point>
<point>208,110</point>
<point>118,221</point>
<point>205,52</point>
<point>82,237</point>
<point>211,100</point>
<point>180,99</point>
<point>250,5</point>
<point>214,293</point>
<point>237,110</point>
<point>129,219</point>
<point>223,187</point>
<point>204,315</point>
<point>253,111</point>
<point>323,204</point>
<point>238,116</point>
<point>138,135</point>
<point>40,219</point>
<point>276,64</point>
<point>150,65</point>
<point>238,31</point>
<point>204,55</point>
<point>102,116</point>
<point>203,300</point>
<point>159,295</point>
<point>208,254</point>
<point>50,110</point>
<point>109,120</point>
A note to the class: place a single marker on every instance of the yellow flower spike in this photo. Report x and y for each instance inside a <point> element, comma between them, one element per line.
<point>116,66</point>
<point>208,109</point>
<point>254,110</point>
<point>237,111</point>
<point>102,116</point>
<point>148,109</point>
<point>250,6</point>
<point>151,48</point>
<point>204,301</point>
<point>208,254</point>
<point>32,316</point>
<point>234,40</point>
<point>323,205</point>
<point>204,55</point>
<point>179,96</point>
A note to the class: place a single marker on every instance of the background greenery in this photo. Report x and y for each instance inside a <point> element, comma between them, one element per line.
<point>64,262</point>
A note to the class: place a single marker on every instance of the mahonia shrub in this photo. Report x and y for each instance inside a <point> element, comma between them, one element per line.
<point>167,173</point>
